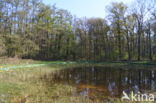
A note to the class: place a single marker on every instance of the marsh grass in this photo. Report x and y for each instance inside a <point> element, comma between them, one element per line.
<point>26,85</point>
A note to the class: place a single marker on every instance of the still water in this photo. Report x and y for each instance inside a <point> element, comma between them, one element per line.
<point>106,81</point>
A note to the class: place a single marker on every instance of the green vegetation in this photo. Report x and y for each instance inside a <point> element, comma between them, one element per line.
<point>26,84</point>
<point>30,29</point>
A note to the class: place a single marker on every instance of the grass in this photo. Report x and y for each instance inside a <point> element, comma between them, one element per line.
<point>24,85</point>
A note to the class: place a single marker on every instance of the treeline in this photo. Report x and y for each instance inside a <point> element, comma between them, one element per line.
<point>31,29</point>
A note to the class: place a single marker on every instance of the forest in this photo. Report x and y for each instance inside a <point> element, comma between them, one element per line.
<point>50,55</point>
<point>33,30</point>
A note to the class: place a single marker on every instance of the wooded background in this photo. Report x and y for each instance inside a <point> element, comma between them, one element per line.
<point>31,29</point>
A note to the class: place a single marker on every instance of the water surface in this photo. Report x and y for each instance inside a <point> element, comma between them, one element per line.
<point>105,82</point>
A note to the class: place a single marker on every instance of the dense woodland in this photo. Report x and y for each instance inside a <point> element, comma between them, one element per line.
<point>31,29</point>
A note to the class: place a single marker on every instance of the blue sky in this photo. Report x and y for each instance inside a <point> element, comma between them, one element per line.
<point>84,8</point>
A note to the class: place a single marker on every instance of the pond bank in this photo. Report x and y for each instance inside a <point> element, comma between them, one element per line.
<point>7,67</point>
<point>25,83</point>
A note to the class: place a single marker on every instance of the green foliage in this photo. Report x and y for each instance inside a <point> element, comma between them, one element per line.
<point>13,45</point>
<point>29,48</point>
<point>2,46</point>
<point>31,29</point>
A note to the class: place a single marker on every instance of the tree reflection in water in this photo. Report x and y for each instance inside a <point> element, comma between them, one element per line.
<point>105,81</point>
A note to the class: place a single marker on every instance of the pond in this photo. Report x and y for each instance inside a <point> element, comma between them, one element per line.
<point>100,82</point>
